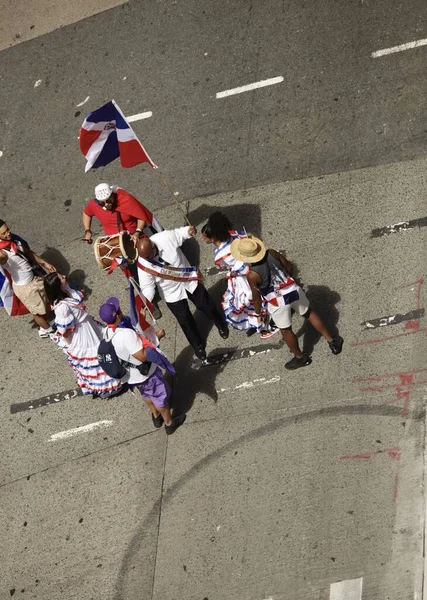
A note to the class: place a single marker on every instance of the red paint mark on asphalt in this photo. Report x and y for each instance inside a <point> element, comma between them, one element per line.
<point>366,456</point>
<point>388,375</point>
<point>410,327</point>
<point>414,325</point>
<point>390,337</point>
<point>394,453</point>
<point>402,387</point>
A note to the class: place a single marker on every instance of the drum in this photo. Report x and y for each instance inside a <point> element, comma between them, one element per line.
<point>109,247</point>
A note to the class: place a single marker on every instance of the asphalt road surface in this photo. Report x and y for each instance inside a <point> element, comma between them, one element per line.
<point>280,486</point>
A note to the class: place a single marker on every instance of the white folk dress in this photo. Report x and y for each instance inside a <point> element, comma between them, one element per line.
<point>82,353</point>
<point>237,301</point>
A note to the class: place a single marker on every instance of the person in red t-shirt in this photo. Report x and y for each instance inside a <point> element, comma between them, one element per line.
<point>117,210</point>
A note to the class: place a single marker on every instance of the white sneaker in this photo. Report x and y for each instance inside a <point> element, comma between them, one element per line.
<point>45,333</point>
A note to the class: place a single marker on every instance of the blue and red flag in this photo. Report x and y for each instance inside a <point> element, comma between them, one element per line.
<point>8,300</point>
<point>106,135</point>
<point>137,302</point>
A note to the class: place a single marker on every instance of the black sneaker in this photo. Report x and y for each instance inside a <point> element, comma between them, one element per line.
<point>296,363</point>
<point>223,332</point>
<point>200,352</point>
<point>336,344</point>
<point>176,422</point>
<point>157,421</point>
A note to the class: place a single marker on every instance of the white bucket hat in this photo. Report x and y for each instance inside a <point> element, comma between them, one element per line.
<point>103,191</point>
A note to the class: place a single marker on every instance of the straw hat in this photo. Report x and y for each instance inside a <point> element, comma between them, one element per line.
<point>249,249</point>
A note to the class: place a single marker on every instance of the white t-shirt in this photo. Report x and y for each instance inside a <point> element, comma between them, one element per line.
<point>126,343</point>
<point>19,268</point>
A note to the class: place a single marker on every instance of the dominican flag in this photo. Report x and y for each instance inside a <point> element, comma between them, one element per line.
<point>137,302</point>
<point>8,300</point>
<point>106,135</point>
<point>142,326</point>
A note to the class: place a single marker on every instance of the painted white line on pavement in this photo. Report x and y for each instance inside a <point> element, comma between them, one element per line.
<point>251,384</point>
<point>249,87</point>
<point>139,116</point>
<point>400,48</point>
<point>62,435</point>
<point>84,102</point>
<point>350,589</point>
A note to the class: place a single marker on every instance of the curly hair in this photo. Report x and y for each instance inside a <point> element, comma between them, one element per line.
<point>218,226</point>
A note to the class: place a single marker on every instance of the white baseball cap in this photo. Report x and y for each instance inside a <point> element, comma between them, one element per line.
<point>103,191</point>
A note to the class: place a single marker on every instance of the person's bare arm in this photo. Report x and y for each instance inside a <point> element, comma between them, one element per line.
<point>87,222</point>
<point>286,264</point>
<point>140,224</point>
<point>41,261</point>
<point>254,281</point>
<point>3,258</point>
<point>140,355</point>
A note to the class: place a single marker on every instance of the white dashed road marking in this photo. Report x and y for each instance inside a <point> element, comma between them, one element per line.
<point>139,116</point>
<point>401,48</point>
<point>62,435</point>
<point>350,589</point>
<point>250,384</point>
<point>249,87</point>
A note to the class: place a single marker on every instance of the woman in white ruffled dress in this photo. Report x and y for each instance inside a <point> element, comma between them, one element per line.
<point>237,299</point>
<point>79,335</point>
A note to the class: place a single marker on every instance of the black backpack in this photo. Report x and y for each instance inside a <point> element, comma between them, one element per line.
<point>109,361</point>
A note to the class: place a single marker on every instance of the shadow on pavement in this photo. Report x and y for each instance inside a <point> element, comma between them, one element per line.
<point>76,278</point>
<point>190,381</point>
<point>241,215</point>
<point>322,301</point>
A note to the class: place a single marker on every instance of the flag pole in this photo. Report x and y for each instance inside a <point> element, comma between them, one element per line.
<point>137,289</point>
<point>151,163</point>
<point>170,190</point>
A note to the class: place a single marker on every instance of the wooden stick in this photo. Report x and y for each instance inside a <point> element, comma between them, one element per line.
<point>170,190</point>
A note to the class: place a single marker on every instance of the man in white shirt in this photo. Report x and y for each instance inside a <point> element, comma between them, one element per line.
<point>164,250</point>
<point>17,258</point>
<point>130,349</point>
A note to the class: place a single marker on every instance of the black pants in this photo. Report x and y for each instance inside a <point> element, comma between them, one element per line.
<point>201,299</point>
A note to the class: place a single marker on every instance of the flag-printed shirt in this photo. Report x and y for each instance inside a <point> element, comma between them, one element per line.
<point>277,287</point>
<point>130,210</point>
